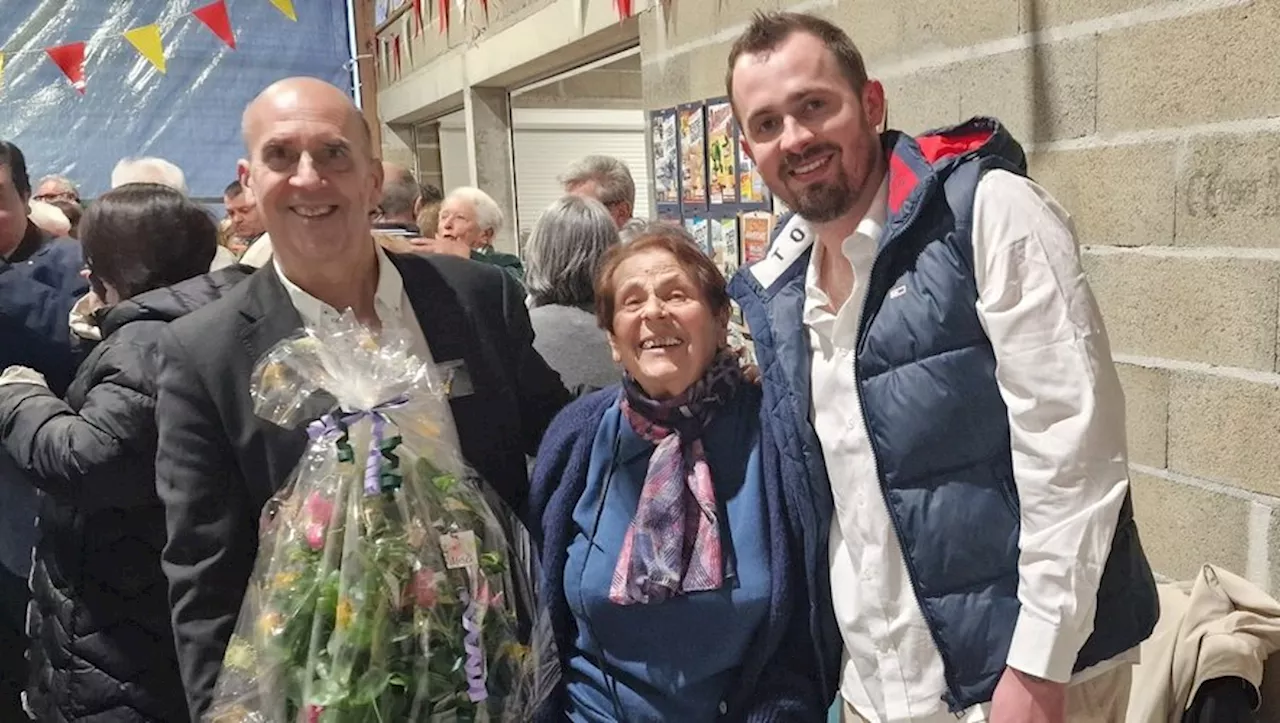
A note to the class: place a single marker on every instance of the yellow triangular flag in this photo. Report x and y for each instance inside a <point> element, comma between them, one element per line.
<point>147,40</point>
<point>286,7</point>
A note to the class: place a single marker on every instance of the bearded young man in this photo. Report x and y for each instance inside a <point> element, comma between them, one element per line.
<point>935,363</point>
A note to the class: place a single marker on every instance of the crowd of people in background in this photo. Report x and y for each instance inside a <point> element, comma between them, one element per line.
<point>917,505</point>
<point>100,279</point>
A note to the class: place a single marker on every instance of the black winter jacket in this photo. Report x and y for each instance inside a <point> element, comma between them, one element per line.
<point>102,646</point>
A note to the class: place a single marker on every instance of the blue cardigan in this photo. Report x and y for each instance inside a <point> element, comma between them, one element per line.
<point>782,679</point>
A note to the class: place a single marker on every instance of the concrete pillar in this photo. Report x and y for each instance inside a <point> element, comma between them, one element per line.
<point>398,145</point>
<point>489,154</point>
<point>429,165</point>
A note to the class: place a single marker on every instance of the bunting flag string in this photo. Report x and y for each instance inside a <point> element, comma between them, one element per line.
<point>214,16</point>
<point>146,39</point>
<point>70,60</point>
<point>286,7</point>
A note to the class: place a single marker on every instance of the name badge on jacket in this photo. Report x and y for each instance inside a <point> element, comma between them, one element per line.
<point>456,378</point>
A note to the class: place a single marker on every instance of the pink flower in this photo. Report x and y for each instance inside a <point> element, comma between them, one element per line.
<point>313,713</point>
<point>316,514</point>
<point>315,536</point>
<point>424,588</point>
<point>485,597</point>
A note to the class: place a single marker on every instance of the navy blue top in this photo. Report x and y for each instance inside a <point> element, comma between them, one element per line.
<point>39,283</point>
<point>668,661</point>
<point>778,679</point>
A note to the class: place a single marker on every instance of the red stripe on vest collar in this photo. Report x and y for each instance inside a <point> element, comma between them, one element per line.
<point>902,180</point>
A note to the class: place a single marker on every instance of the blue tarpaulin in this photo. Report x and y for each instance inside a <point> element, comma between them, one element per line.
<point>189,115</point>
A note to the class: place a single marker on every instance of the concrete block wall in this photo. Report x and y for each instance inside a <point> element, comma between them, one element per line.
<point>1157,124</point>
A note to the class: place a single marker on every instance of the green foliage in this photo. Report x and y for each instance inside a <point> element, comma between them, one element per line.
<point>356,617</point>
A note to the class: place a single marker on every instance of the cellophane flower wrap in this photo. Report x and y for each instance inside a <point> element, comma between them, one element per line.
<point>384,588</point>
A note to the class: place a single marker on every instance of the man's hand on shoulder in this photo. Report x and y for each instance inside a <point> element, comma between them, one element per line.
<point>1022,698</point>
<point>447,247</point>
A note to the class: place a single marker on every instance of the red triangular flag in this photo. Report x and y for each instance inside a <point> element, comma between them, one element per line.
<point>70,59</point>
<point>624,8</point>
<point>444,15</point>
<point>417,16</point>
<point>214,16</point>
<point>484,5</point>
<point>395,50</point>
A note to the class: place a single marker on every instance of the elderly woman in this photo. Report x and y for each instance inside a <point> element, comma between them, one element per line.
<point>469,221</point>
<point>564,251</point>
<point>673,572</point>
<point>101,642</point>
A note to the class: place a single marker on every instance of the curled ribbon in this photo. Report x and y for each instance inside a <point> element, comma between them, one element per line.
<point>382,465</point>
<point>474,666</point>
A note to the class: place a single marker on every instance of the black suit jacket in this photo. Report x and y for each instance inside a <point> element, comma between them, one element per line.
<point>217,463</point>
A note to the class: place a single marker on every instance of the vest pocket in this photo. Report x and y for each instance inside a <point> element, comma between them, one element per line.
<point>1009,494</point>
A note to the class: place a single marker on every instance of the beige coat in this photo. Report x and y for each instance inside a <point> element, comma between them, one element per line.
<point>258,253</point>
<point>1218,625</point>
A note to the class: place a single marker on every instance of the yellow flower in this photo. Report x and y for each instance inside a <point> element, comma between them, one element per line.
<point>234,714</point>
<point>517,652</point>
<point>283,580</point>
<point>423,427</point>
<point>269,624</point>
<point>273,377</point>
<point>240,655</point>
<point>417,534</point>
<point>344,613</point>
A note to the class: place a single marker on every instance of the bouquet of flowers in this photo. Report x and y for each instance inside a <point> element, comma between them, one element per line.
<point>384,588</point>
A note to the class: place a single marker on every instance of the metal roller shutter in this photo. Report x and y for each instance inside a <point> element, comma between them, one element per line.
<point>546,141</point>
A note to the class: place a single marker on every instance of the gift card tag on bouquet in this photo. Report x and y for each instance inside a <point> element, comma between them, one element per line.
<point>460,551</point>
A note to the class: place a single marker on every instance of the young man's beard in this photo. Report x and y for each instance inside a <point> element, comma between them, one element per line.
<point>827,201</point>
<point>824,202</point>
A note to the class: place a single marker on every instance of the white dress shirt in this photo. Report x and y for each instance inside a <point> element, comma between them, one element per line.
<point>392,306</point>
<point>1066,415</point>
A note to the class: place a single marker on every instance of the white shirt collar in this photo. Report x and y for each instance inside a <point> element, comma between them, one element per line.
<point>868,231</point>
<point>388,298</point>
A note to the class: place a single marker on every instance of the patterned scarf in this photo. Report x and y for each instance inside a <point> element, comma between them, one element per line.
<point>673,543</point>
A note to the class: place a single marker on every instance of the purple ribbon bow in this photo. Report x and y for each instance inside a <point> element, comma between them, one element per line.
<point>335,425</point>
<point>474,666</point>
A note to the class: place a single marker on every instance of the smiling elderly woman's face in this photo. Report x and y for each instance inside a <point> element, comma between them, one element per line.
<point>459,222</point>
<point>665,331</point>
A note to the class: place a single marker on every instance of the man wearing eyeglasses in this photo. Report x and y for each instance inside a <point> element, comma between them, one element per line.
<point>56,188</point>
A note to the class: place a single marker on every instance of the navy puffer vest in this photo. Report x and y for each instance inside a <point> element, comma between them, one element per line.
<point>937,423</point>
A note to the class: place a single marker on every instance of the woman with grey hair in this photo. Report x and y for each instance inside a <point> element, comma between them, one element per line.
<point>469,221</point>
<point>563,254</point>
